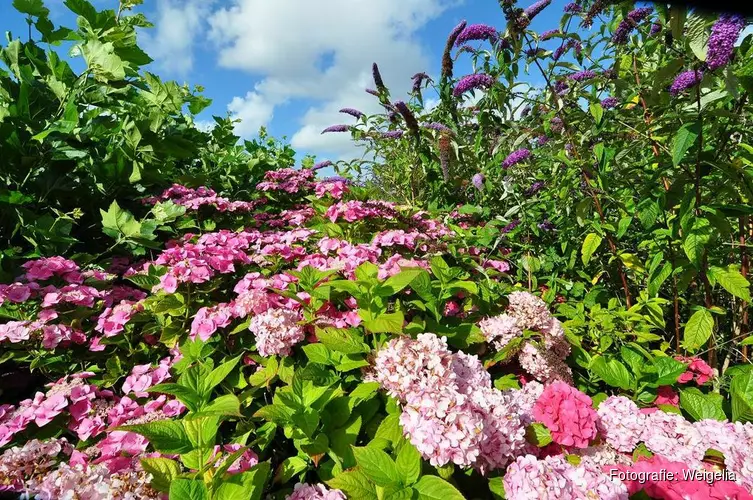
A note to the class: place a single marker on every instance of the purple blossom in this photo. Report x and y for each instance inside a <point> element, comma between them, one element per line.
<point>320,165</point>
<point>447,63</point>
<point>580,76</point>
<point>335,128</point>
<point>377,77</point>
<point>572,8</point>
<point>549,34</point>
<point>556,124</point>
<point>418,79</point>
<point>476,32</point>
<point>526,111</point>
<point>546,225</point>
<point>439,127</point>
<point>542,140</point>
<point>724,34</point>
<point>392,134</point>
<point>508,228</point>
<point>516,157</point>
<point>655,28</point>
<point>561,87</point>
<point>352,112</point>
<point>626,25</point>
<point>471,82</point>
<point>536,8</point>
<point>410,119</point>
<point>685,80</point>
<point>478,181</point>
<point>610,102</point>
<point>535,188</point>
<point>372,92</point>
<point>569,147</point>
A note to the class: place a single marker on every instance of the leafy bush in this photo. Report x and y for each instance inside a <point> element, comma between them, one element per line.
<point>276,335</point>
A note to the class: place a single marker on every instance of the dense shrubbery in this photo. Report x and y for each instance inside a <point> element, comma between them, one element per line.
<point>255,331</point>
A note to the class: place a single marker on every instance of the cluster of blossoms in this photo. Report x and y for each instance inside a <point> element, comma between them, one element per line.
<point>724,35</point>
<point>304,491</point>
<point>472,82</point>
<point>195,198</point>
<point>543,360</point>
<point>629,23</point>
<point>516,157</point>
<point>287,180</point>
<point>476,32</point>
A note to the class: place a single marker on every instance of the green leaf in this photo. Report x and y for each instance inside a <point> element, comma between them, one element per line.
<point>684,140</point>
<point>698,330</point>
<point>248,485</point>
<point>538,435</point>
<point>731,280</point>
<point>341,340</point>
<point>377,465</point>
<point>188,489</point>
<point>220,373</point>
<point>613,372</point>
<point>698,37</point>
<point>225,405</point>
<point>597,112</point>
<point>390,429</point>
<point>355,484</point>
<point>701,406</point>
<point>590,245</point>
<point>186,395</point>
<point>668,370</point>
<point>103,61</point>
<point>34,8</point>
<point>318,353</point>
<point>741,391</point>
<point>163,471</point>
<point>397,282</point>
<point>436,488</point>
<point>747,341</point>
<point>167,436</point>
<point>386,323</point>
<point>408,463</point>
<point>696,239</point>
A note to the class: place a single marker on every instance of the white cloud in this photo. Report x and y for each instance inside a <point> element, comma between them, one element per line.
<point>178,24</point>
<point>321,51</point>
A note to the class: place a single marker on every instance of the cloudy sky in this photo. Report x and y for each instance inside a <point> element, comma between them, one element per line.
<point>290,65</point>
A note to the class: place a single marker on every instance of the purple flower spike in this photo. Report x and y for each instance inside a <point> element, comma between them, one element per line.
<point>631,21</point>
<point>724,34</point>
<point>372,92</point>
<point>536,8</point>
<point>478,181</point>
<point>546,225</point>
<point>476,32</point>
<point>516,157</point>
<point>655,29</point>
<point>321,165</point>
<point>510,226</point>
<point>549,34</point>
<point>580,76</point>
<point>352,112</point>
<point>335,128</point>
<point>542,140</point>
<point>377,77</point>
<point>572,8</point>
<point>392,134</point>
<point>557,124</point>
<point>610,102</point>
<point>685,81</point>
<point>471,82</point>
<point>439,127</point>
<point>447,62</point>
<point>418,80</point>
<point>535,188</point>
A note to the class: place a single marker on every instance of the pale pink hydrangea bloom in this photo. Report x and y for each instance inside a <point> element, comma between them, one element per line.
<point>673,437</point>
<point>531,311</point>
<point>503,433</point>
<point>22,466</point>
<point>500,330</point>
<point>470,374</point>
<point>15,331</point>
<point>96,482</point>
<point>568,415</point>
<point>603,455</point>
<point>303,491</point>
<point>524,399</point>
<point>243,463</point>
<point>740,458</point>
<point>277,331</point>
<point>621,423</point>
<point>544,365</point>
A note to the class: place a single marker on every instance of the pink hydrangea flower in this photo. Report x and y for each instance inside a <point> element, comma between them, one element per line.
<point>673,437</point>
<point>621,423</point>
<point>277,331</point>
<point>302,491</point>
<point>568,415</point>
<point>666,396</point>
<point>698,369</point>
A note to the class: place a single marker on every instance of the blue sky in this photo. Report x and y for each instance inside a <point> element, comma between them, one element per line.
<point>290,65</point>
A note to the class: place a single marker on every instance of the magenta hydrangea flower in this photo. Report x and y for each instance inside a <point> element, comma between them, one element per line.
<point>472,82</point>
<point>476,32</point>
<point>335,128</point>
<point>568,415</point>
<point>724,35</point>
<point>516,157</point>
<point>685,81</point>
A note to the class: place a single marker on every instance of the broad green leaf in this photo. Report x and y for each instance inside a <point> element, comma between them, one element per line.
<point>685,137</point>
<point>590,245</point>
<point>355,484</point>
<point>386,323</point>
<point>408,463</point>
<point>397,282</point>
<point>167,436</point>
<point>731,280</point>
<point>341,340</point>
<point>188,489</point>
<point>696,239</point>
<point>538,435</point>
<point>597,112</point>
<point>219,374</point>
<point>377,465</point>
<point>248,485</point>
<point>741,391</point>
<point>436,488</point>
<point>34,8</point>
<point>701,406</point>
<point>186,395</point>
<point>163,471</point>
<point>103,61</point>
<point>698,330</point>
<point>225,405</point>
<point>613,372</point>
<point>698,36</point>
<point>668,370</point>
